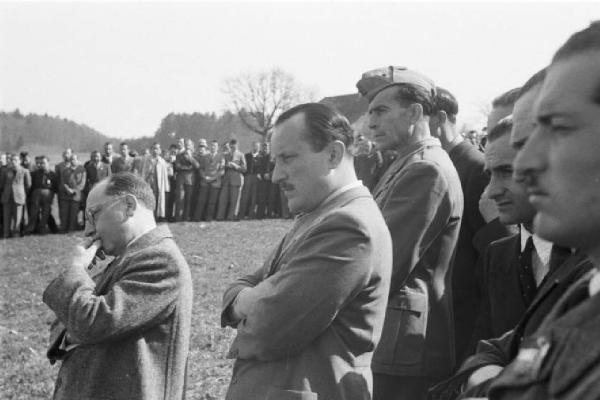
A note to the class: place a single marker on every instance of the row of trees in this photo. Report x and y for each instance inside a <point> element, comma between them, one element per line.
<point>256,100</point>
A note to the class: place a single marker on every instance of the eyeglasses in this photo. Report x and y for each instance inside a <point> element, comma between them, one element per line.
<point>91,213</point>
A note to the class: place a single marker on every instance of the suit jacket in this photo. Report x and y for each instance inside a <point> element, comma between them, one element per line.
<point>503,349</point>
<point>502,304</point>
<point>74,178</point>
<point>469,163</point>
<point>16,185</point>
<point>561,360</point>
<point>132,325</point>
<point>319,308</point>
<point>253,166</point>
<point>59,169</point>
<point>421,201</point>
<point>94,174</point>
<point>234,176</point>
<point>212,168</point>
<point>185,170</point>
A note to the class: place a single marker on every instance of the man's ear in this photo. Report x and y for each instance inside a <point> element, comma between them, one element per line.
<point>442,117</point>
<point>337,150</point>
<point>416,112</point>
<point>131,203</point>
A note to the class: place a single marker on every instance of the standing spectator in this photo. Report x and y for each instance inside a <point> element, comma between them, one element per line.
<point>44,183</point>
<point>108,155</point>
<point>73,183</point>
<point>155,172</point>
<point>185,171</point>
<point>15,185</point>
<point>3,170</point>
<point>252,179</point>
<point>212,168</point>
<point>170,157</point>
<point>264,171</point>
<point>63,197</point>
<point>124,162</point>
<point>202,150</point>
<point>367,162</point>
<point>229,199</point>
<point>421,201</point>
<point>95,171</point>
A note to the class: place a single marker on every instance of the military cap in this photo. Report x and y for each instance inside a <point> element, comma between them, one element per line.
<point>374,81</point>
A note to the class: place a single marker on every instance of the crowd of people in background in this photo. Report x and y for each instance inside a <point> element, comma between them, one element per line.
<point>201,181</point>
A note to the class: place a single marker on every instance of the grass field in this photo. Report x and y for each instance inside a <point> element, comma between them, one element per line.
<point>216,252</point>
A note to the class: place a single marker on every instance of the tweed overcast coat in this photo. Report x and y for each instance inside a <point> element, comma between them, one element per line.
<point>132,326</point>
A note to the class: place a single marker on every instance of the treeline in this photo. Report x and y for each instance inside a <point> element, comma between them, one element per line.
<point>18,131</point>
<point>199,125</point>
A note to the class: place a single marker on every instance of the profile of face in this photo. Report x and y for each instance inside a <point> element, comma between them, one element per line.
<point>108,149</point>
<point>124,150</point>
<point>559,161</point>
<point>300,171</point>
<point>156,150</point>
<point>389,121</point>
<point>105,218</point>
<point>510,196</point>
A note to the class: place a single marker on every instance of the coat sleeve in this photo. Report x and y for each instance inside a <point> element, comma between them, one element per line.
<point>296,304</point>
<point>418,201</point>
<point>143,296</point>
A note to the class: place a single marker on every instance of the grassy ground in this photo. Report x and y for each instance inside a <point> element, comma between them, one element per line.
<point>216,252</point>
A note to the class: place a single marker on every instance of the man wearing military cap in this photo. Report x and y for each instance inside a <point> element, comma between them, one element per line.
<point>421,199</point>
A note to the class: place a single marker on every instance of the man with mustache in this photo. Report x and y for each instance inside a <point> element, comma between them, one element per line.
<point>561,168</point>
<point>308,320</point>
<point>421,200</point>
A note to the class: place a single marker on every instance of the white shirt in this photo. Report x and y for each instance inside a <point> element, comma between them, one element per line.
<point>540,257</point>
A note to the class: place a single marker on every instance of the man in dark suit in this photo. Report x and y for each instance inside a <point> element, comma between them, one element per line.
<point>232,182</point>
<point>469,163</point>
<point>421,200</point>
<point>559,164</point>
<point>44,184</point>
<point>308,320</point>
<point>15,186</point>
<point>252,178</point>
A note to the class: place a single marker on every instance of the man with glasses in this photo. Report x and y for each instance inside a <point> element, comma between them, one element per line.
<point>124,334</point>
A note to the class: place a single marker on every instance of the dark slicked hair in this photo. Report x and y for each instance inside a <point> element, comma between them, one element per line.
<point>323,125</point>
<point>532,82</point>
<point>124,183</point>
<point>445,101</point>
<point>507,99</point>
<point>583,41</point>
<point>407,94</point>
<point>503,127</point>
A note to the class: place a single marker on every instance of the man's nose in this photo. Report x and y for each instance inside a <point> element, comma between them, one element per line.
<point>90,229</point>
<point>531,158</point>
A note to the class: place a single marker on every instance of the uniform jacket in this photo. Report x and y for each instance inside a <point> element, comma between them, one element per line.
<point>132,325</point>
<point>503,349</point>
<point>422,203</point>
<point>561,360</point>
<point>41,179</point>
<point>234,176</point>
<point>469,163</point>
<point>16,185</point>
<point>75,179</point>
<point>320,307</point>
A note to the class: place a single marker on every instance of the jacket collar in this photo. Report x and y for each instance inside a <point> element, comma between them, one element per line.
<point>160,232</point>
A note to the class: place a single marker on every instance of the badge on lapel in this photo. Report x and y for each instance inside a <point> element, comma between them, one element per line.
<point>531,356</point>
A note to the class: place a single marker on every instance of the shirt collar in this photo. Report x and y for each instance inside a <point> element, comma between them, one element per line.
<point>542,247</point>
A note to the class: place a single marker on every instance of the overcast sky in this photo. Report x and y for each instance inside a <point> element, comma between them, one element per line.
<point>121,67</point>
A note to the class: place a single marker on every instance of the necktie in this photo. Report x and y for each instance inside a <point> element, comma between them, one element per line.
<point>526,277</point>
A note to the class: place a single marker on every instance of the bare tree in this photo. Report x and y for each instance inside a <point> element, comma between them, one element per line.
<point>260,97</point>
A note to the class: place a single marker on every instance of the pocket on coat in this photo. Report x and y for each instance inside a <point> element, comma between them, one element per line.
<point>283,394</point>
<point>404,329</point>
